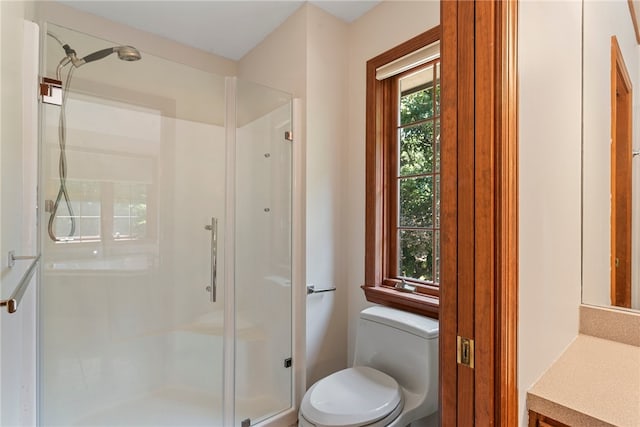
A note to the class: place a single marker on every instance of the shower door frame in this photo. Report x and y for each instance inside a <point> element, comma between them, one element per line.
<point>298,263</point>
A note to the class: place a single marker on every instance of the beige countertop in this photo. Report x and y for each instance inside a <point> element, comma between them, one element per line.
<point>595,382</point>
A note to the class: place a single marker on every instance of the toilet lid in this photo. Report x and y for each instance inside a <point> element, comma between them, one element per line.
<point>351,397</point>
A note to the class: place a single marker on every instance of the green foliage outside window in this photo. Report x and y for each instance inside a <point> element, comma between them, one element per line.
<point>418,210</point>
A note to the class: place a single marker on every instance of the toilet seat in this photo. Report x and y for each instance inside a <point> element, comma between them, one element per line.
<point>353,397</point>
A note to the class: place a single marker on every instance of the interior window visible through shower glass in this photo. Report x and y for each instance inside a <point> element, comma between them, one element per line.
<point>86,206</point>
<point>121,207</point>
<point>110,169</point>
<point>129,211</point>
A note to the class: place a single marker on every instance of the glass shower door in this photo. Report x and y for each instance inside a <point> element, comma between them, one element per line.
<point>129,335</point>
<point>263,262</point>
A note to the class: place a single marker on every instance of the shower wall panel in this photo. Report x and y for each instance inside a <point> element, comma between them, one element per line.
<point>127,328</point>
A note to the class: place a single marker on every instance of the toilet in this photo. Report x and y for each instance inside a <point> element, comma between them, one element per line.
<point>393,381</point>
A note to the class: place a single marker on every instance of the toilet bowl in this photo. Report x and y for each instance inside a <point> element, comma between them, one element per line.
<point>393,382</point>
<point>353,397</point>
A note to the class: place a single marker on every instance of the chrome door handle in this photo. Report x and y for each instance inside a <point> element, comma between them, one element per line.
<point>213,227</point>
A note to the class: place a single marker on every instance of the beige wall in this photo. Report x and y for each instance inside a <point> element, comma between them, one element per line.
<point>327,163</point>
<point>307,57</point>
<point>549,67</point>
<point>279,61</point>
<point>369,36</point>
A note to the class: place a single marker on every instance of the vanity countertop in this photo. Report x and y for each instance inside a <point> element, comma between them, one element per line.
<point>595,382</point>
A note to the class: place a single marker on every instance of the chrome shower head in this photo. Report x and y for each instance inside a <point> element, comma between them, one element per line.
<point>128,53</point>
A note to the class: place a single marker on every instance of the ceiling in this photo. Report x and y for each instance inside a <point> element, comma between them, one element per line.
<point>226,28</point>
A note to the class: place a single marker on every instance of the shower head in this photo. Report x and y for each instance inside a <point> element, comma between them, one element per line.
<point>126,53</point>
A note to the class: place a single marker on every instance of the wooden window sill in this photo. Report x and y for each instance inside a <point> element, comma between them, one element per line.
<point>416,303</point>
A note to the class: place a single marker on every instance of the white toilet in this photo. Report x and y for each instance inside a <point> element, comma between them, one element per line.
<point>393,382</point>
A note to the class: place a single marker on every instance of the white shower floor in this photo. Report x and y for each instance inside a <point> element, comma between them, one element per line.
<point>177,407</point>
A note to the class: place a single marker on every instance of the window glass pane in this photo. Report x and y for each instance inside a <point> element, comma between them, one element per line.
<point>121,208</point>
<point>88,227</point>
<point>416,202</point>
<point>62,226</point>
<point>75,205</point>
<point>130,210</point>
<point>121,227</point>
<point>91,208</point>
<point>86,206</point>
<point>416,106</point>
<point>416,249</point>
<point>139,226</point>
<point>416,96</point>
<point>416,149</point>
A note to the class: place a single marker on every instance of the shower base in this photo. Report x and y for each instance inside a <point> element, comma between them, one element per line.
<point>179,407</point>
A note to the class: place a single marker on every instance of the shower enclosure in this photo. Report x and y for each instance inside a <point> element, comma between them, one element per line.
<point>165,294</point>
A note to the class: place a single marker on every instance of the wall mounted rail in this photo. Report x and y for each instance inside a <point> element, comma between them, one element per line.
<point>15,298</point>
<point>311,289</point>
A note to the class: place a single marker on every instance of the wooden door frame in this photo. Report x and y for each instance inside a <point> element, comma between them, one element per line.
<point>621,148</point>
<point>479,292</point>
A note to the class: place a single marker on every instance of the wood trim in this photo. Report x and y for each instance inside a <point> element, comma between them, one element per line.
<point>466,303</point>
<point>539,420</point>
<point>621,178</point>
<point>487,141</point>
<point>634,19</point>
<point>506,355</point>
<point>448,402</point>
<point>415,303</point>
<point>617,62</point>
<point>373,179</point>
<point>375,154</point>
<point>479,287</point>
<point>378,171</point>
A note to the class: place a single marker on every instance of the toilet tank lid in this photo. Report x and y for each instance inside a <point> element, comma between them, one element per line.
<point>422,326</point>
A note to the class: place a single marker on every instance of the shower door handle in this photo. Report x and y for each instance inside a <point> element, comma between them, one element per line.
<point>213,227</point>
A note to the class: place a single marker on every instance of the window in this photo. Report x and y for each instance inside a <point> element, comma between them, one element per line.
<point>415,178</point>
<point>102,209</point>
<point>86,212</point>
<point>403,176</point>
<point>129,211</point>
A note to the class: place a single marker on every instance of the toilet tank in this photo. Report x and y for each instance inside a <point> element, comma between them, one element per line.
<point>401,344</point>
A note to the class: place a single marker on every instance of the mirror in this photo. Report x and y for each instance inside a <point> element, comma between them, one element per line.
<point>610,169</point>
